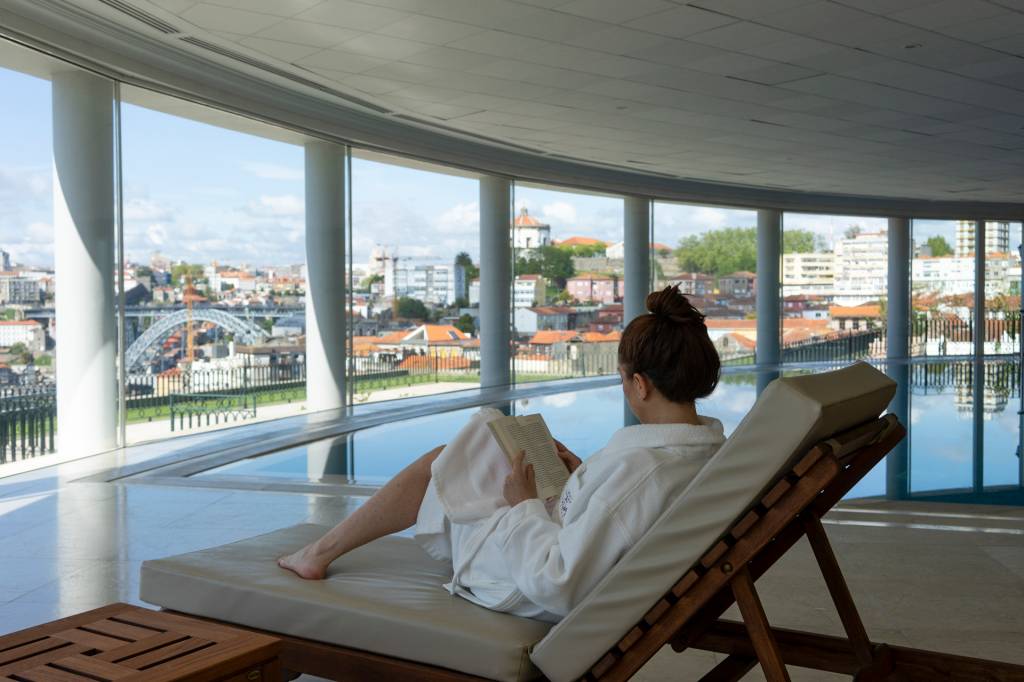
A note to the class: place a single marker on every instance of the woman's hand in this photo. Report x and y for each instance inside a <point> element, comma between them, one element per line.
<point>520,484</point>
<point>571,461</point>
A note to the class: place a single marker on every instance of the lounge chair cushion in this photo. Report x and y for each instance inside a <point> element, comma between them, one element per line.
<point>790,416</point>
<point>385,598</point>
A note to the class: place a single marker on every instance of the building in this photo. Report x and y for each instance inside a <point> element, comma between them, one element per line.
<point>433,283</point>
<point>742,283</point>
<point>586,241</point>
<point>943,275</point>
<point>855,318</point>
<point>231,280</point>
<point>527,291</point>
<point>17,290</point>
<point>529,233</point>
<point>861,267</point>
<point>692,283</point>
<point>559,318</point>
<point>5,261</point>
<point>997,238</point>
<point>28,332</point>
<point>808,274</point>
<point>595,288</point>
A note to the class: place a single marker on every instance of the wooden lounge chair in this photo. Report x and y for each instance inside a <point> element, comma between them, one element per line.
<point>807,441</point>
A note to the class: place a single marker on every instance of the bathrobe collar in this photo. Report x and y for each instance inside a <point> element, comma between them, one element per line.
<point>709,432</point>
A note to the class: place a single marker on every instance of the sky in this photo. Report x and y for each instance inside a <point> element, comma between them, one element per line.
<point>200,193</point>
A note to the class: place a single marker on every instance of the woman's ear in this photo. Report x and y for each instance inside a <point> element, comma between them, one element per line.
<point>640,386</point>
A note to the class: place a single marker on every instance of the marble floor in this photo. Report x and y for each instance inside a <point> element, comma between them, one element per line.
<point>948,577</point>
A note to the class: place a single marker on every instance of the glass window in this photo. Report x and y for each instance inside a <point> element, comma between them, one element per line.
<point>1000,400</point>
<point>568,285</point>
<point>28,279</point>
<point>214,244</point>
<point>941,391</point>
<point>834,286</point>
<point>415,279</point>
<point>711,253</point>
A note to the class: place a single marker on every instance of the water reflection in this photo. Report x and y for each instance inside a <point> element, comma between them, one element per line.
<point>962,442</point>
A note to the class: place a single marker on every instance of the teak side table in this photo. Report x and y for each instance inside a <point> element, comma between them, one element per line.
<point>129,643</point>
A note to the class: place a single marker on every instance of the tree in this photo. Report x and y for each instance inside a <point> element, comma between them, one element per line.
<point>179,271</point>
<point>465,324</point>
<point>553,263</point>
<point>413,309</point>
<point>719,252</point>
<point>852,231</point>
<point>585,250</point>
<point>472,272</point>
<point>798,241</point>
<point>18,349</point>
<point>368,282</point>
<point>939,246</point>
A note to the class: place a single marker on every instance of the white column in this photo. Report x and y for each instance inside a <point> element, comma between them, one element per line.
<point>495,281</point>
<point>325,276</point>
<point>84,228</point>
<point>897,463</point>
<point>637,255</point>
<point>769,247</point>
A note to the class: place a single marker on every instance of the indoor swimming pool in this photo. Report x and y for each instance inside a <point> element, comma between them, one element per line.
<point>961,446</point>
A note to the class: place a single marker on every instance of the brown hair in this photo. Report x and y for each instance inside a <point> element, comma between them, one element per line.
<point>671,347</point>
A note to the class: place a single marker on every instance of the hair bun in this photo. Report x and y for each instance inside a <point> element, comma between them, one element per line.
<point>670,304</point>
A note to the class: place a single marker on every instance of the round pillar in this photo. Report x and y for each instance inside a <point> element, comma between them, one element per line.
<point>325,275</point>
<point>84,230</point>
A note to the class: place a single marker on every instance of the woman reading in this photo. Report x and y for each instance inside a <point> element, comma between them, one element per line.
<point>513,552</point>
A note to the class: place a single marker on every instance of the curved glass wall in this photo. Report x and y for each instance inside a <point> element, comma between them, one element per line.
<point>213,229</point>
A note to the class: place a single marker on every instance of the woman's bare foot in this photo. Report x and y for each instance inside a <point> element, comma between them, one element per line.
<point>305,563</point>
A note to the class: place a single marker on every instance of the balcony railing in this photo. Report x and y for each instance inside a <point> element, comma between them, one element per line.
<point>28,422</point>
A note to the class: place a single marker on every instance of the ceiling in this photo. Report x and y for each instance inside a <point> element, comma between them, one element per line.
<point>889,98</point>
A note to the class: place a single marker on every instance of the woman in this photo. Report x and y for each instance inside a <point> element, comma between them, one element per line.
<point>515,553</point>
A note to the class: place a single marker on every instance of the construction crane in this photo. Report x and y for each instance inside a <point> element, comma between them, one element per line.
<point>189,296</point>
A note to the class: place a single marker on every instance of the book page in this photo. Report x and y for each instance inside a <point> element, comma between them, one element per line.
<point>530,433</point>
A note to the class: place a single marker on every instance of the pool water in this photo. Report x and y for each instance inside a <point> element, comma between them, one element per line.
<point>942,434</point>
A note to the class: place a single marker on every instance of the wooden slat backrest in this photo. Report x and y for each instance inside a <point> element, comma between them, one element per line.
<point>819,478</point>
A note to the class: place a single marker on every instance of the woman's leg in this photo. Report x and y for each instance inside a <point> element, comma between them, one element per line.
<point>391,509</point>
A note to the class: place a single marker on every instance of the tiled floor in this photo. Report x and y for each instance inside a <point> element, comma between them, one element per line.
<point>934,576</point>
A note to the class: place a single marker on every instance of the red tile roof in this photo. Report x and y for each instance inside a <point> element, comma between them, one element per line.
<point>524,219</point>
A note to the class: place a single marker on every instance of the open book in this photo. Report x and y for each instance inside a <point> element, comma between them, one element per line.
<point>530,433</point>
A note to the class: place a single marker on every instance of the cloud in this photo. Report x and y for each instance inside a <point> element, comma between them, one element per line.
<point>146,209</point>
<point>273,171</point>
<point>459,219</point>
<point>156,234</point>
<point>559,212</point>
<point>282,205</point>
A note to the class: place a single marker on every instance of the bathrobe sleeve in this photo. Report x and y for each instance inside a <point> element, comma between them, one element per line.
<point>555,566</point>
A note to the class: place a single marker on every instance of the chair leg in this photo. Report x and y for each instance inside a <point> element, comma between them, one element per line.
<point>756,622</point>
<point>731,669</point>
<point>840,592</point>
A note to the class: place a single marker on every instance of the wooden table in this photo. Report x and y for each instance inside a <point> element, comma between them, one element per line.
<point>129,643</point>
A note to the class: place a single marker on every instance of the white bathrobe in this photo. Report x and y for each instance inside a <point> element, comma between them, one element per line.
<point>539,559</point>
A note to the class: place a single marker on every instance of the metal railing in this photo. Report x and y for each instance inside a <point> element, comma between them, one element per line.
<point>147,396</point>
<point>210,408</point>
<point>28,422</point>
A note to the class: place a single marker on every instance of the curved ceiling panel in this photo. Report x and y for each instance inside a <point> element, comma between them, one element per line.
<point>920,99</point>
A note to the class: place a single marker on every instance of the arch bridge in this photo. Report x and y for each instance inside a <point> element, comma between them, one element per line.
<point>158,332</point>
